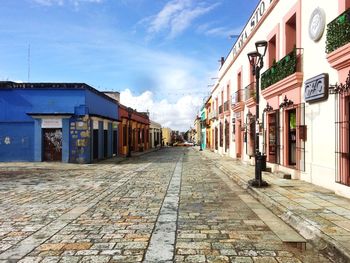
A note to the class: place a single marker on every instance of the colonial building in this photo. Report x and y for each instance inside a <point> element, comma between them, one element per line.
<point>133,130</point>
<point>197,131</point>
<point>166,133</point>
<point>203,127</point>
<point>155,135</point>
<point>64,122</point>
<point>208,123</point>
<point>303,125</point>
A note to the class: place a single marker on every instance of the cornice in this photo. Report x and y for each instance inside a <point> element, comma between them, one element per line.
<point>291,82</point>
<point>340,58</point>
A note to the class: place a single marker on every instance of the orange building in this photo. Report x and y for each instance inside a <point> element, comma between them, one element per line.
<point>133,129</point>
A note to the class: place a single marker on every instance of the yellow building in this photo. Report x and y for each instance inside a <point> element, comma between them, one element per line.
<point>166,133</point>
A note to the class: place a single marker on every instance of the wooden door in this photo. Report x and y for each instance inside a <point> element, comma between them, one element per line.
<point>52,144</point>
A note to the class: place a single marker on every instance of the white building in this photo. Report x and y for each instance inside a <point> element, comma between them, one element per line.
<point>303,129</point>
<point>155,134</point>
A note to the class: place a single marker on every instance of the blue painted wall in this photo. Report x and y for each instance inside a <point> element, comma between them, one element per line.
<point>25,133</point>
<point>17,141</point>
<point>100,105</point>
<point>15,103</point>
<point>38,142</point>
<point>65,140</point>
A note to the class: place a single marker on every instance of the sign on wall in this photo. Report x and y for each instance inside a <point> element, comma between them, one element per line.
<point>317,24</point>
<point>51,123</point>
<point>316,88</point>
<point>258,14</point>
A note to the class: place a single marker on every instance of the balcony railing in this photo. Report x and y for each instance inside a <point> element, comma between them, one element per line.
<point>238,96</point>
<point>338,32</point>
<point>212,115</point>
<point>282,69</point>
<point>249,91</point>
<point>221,109</point>
<point>226,106</point>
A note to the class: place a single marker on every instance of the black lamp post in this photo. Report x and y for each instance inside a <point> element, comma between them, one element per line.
<point>130,111</point>
<point>256,61</point>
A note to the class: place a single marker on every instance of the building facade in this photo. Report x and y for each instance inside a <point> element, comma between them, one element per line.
<point>303,92</point>
<point>64,122</point>
<point>166,133</point>
<point>133,130</point>
<point>197,131</point>
<point>208,123</point>
<point>203,127</point>
<point>155,135</point>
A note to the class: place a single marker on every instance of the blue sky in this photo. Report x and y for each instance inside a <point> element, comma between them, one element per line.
<point>159,54</point>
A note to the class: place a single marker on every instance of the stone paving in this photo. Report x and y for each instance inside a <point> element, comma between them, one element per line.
<point>321,216</point>
<point>110,212</point>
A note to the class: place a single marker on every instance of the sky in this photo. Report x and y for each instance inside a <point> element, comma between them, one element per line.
<point>161,55</point>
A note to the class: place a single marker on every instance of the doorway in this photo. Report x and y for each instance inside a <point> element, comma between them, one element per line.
<point>115,142</point>
<point>52,145</point>
<point>105,143</point>
<point>272,136</point>
<point>292,137</point>
<point>95,145</point>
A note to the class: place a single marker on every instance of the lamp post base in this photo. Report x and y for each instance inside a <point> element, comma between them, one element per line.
<point>257,183</point>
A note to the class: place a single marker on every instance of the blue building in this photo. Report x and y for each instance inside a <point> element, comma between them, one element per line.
<point>67,122</point>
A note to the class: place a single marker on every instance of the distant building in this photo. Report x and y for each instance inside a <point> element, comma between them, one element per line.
<point>198,130</point>
<point>166,133</point>
<point>155,134</point>
<point>65,122</point>
<point>134,130</point>
<point>113,94</point>
<point>210,115</point>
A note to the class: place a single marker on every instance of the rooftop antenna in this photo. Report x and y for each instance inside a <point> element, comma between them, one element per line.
<point>28,62</point>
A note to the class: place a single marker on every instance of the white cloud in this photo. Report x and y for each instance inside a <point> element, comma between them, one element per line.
<point>177,116</point>
<point>210,30</point>
<point>177,16</point>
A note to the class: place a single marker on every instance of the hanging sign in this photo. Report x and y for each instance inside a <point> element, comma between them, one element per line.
<point>316,88</point>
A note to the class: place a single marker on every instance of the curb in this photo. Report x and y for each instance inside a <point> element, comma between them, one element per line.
<point>333,250</point>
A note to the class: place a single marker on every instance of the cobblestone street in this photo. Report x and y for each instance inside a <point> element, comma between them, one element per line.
<point>166,206</point>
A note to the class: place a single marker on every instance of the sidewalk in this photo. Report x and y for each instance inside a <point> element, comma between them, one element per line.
<point>319,215</point>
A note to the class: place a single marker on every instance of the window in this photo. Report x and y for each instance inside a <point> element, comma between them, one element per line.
<point>291,114</point>
<point>221,135</point>
<point>291,34</point>
<point>239,87</point>
<point>272,51</point>
<point>228,93</point>
<point>222,97</point>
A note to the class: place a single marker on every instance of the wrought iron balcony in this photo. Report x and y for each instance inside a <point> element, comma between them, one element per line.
<point>221,109</point>
<point>226,106</point>
<point>249,91</point>
<point>212,115</point>
<point>282,69</point>
<point>338,32</point>
<point>238,96</point>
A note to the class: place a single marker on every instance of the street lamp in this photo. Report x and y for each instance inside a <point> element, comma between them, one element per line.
<point>130,111</point>
<point>256,61</point>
